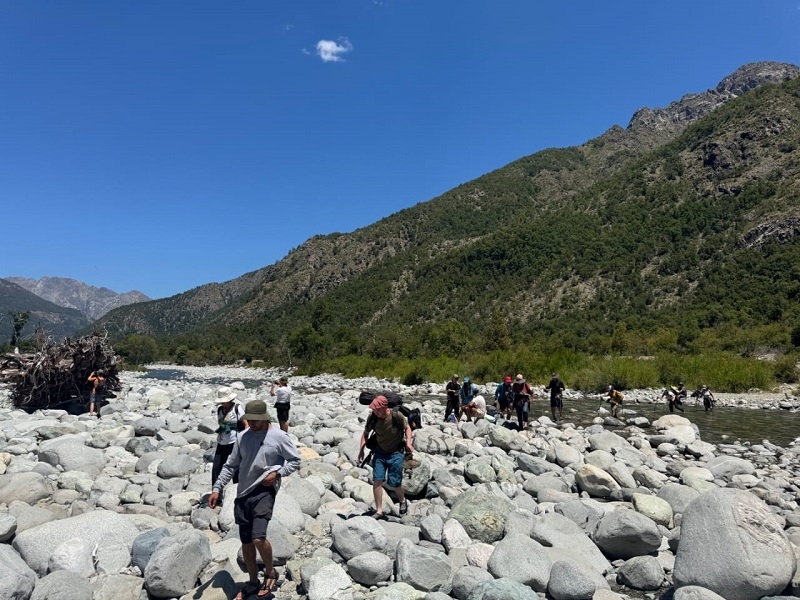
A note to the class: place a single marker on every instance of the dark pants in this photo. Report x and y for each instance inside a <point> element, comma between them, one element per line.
<point>522,413</point>
<point>453,406</point>
<point>675,404</point>
<point>220,456</point>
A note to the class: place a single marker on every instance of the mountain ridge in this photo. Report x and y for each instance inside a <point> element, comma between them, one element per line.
<point>676,163</point>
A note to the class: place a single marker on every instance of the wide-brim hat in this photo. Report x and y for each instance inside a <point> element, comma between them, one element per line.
<point>520,379</point>
<point>256,410</point>
<point>225,394</point>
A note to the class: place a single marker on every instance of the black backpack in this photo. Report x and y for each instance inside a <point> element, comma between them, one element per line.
<point>412,415</point>
<point>367,396</point>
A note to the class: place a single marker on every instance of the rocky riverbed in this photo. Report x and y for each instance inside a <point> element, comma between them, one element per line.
<point>114,508</point>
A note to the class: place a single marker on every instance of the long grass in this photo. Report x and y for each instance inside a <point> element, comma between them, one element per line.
<point>721,371</point>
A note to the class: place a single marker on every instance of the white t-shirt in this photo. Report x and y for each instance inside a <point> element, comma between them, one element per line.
<point>283,394</point>
<point>480,403</point>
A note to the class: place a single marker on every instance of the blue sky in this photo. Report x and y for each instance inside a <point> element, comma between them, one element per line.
<point>159,146</point>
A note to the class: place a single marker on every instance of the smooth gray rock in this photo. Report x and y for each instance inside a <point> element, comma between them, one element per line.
<point>423,569</point>
<point>147,426</point>
<point>416,482</point>
<point>678,496</point>
<point>24,487</point>
<point>695,592</point>
<point>467,579</point>
<point>178,465</point>
<point>8,527</point>
<point>331,582</point>
<point>358,535</point>
<point>177,562</point>
<point>62,585</point>
<point>73,555</point>
<point>72,454</point>
<point>538,483</point>
<point>370,568</point>
<point>555,531</point>
<point>595,481</point>
<point>569,582</point>
<point>732,544</point>
<point>36,545</point>
<point>288,512</point>
<point>307,497</point>
<point>310,567</point>
<point>641,573</point>
<point>580,513</point>
<point>396,532</point>
<point>520,558</point>
<point>117,587</point>
<point>503,589</point>
<point>653,508</point>
<point>725,467</point>
<point>145,544</point>
<point>431,528</point>
<point>17,579</point>
<point>624,533</point>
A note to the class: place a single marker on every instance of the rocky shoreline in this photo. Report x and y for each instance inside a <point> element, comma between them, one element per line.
<point>114,508</point>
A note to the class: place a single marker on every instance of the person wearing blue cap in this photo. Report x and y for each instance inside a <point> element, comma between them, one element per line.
<point>467,392</point>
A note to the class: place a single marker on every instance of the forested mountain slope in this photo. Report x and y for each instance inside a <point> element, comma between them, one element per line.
<point>683,221</point>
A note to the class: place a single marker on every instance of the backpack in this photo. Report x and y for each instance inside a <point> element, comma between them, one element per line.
<point>367,396</point>
<point>397,423</point>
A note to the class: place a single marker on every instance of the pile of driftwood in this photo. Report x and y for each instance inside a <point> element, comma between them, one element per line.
<point>58,374</point>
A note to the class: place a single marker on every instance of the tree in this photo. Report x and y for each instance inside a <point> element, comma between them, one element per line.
<point>138,349</point>
<point>19,320</point>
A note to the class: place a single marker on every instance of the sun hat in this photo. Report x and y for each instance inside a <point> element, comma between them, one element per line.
<point>256,410</point>
<point>225,394</point>
<point>520,378</point>
<point>378,403</point>
<point>455,375</point>
<point>284,380</point>
<point>508,379</point>
<point>554,376</point>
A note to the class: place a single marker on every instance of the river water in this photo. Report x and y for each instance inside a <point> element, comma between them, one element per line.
<point>722,425</point>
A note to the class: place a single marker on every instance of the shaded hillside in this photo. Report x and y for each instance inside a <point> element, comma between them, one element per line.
<point>56,321</point>
<point>91,301</point>
<point>651,226</point>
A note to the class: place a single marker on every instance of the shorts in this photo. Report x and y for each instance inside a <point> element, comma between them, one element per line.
<point>253,512</point>
<point>503,403</point>
<point>384,464</point>
<point>283,411</point>
<point>555,402</point>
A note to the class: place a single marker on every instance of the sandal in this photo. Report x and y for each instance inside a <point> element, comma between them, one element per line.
<point>404,507</point>
<point>269,584</point>
<point>248,589</point>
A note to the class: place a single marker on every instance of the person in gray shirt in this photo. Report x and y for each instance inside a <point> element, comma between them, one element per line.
<point>263,454</point>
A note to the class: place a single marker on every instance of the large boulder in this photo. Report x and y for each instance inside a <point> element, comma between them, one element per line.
<point>725,467</point>
<point>145,544</point>
<point>520,558</point>
<point>423,569</point>
<point>467,579</point>
<point>654,508</point>
<point>558,533</point>
<point>36,545</point>
<point>624,533</point>
<point>175,565</point>
<point>641,573</point>
<point>27,487</point>
<point>370,568</point>
<point>70,453</point>
<point>356,536</point>
<point>568,581</point>
<point>595,481</point>
<point>732,544</point>
<point>502,589</point>
<point>62,585</point>
<point>331,582</point>
<point>17,579</point>
<point>482,515</point>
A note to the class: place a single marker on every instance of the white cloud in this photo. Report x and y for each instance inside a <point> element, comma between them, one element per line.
<point>330,51</point>
<point>288,27</point>
<point>305,51</point>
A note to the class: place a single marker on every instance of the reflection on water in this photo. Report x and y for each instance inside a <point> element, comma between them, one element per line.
<point>722,425</point>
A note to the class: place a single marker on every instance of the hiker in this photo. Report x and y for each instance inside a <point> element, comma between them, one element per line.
<point>98,380</point>
<point>467,392</point>
<point>476,409</point>
<point>556,388</point>
<point>263,454</point>
<point>504,397</point>
<point>615,397</point>
<point>393,436</point>
<point>708,398</point>
<point>681,393</point>
<point>671,395</point>
<point>522,400</point>
<point>283,400</point>
<point>453,404</point>
<point>230,419</point>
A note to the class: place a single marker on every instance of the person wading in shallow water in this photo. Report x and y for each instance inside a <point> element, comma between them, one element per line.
<point>556,388</point>
<point>264,455</point>
<point>671,395</point>
<point>615,397</point>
